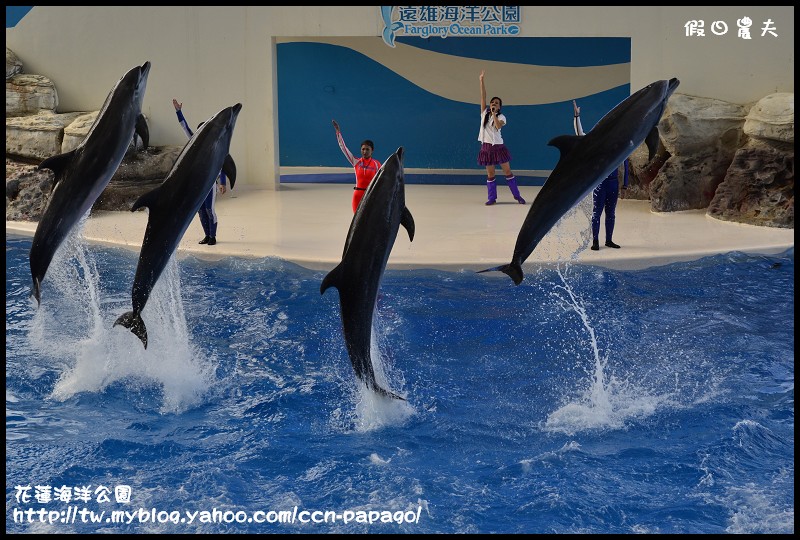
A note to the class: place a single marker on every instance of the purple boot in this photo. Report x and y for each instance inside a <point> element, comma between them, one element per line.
<point>512,185</point>
<point>491,186</point>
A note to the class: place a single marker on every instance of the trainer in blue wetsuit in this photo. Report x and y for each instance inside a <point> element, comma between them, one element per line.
<point>605,195</point>
<point>207,213</point>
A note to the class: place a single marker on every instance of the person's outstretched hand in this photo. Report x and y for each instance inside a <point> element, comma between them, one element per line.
<point>336,126</point>
<point>176,104</point>
<point>576,109</point>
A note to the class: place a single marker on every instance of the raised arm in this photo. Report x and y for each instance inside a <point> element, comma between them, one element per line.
<point>483,93</point>
<point>576,120</point>
<point>184,124</point>
<point>342,146</point>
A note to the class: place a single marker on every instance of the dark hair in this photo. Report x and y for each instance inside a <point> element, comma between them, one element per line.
<point>368,143</point>
<point>489,110</point>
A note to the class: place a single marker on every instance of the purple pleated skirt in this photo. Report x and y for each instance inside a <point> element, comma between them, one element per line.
<point>493,154</point>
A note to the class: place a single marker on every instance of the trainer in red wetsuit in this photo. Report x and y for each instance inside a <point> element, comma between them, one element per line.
<point>365,168</point>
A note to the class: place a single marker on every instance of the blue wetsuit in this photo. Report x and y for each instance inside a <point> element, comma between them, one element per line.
<point>605,195</point>
<point>207,214</point>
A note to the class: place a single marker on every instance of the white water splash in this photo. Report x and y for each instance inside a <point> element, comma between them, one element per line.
<point>74,326</point>
<point>374,411</point>
<point>570,236</point>
<point>756,510</point>
<point>371,410</point>
<point>375,459</point>
<point>549,457</point>
<point>607,402</point>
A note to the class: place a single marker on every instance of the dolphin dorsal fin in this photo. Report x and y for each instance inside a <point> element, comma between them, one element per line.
<point>57,164</point>
<point>407,221</point>
<point>565,143</point>
<point>148,200</point>
<point>333,279</point>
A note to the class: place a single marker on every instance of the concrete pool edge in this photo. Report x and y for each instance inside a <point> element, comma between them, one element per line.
<point>307,224</point>
<point>618,263</point>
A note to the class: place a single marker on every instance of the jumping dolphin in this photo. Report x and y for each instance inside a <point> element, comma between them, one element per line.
<point>82,174</point>
<point>586,160</point>
<point>370,238</point>
<point>173,205</point>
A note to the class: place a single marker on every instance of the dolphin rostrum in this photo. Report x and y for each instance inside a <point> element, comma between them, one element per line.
<point>586,161</point>
<point>173,205</point>
<point>82,174</point>
<point>370,238</point>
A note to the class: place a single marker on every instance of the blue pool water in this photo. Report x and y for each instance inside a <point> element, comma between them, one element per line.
<point>583,401</point>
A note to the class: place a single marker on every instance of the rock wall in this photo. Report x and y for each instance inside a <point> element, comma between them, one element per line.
<point>701,137</point>
<point>35,131</point>
<point>735,161</point>
<point>27,190</point>
<point>758,187</point>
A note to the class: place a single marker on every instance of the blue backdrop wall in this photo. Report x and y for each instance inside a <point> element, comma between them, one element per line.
<point>414,96</point>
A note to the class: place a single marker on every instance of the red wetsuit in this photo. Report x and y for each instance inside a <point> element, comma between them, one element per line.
<point>365,170</point>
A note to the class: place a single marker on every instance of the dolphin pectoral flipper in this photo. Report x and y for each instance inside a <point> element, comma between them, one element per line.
<point>333,279</point>
<point>142,130</point>
<point>58,164</point>
<point>652,141</point>
<point>229,168</point>
<point>407,221</point>
<point>133,322</point>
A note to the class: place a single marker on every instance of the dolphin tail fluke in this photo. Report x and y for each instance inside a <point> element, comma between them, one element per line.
<point>652,141</point>
<point>386,393</point>
<point>142,130</point>
<point>229,168</point>
<point>513,270</point>
<point>133,322</point>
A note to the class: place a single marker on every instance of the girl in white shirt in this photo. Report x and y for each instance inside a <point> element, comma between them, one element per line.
<point>493,152</point>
